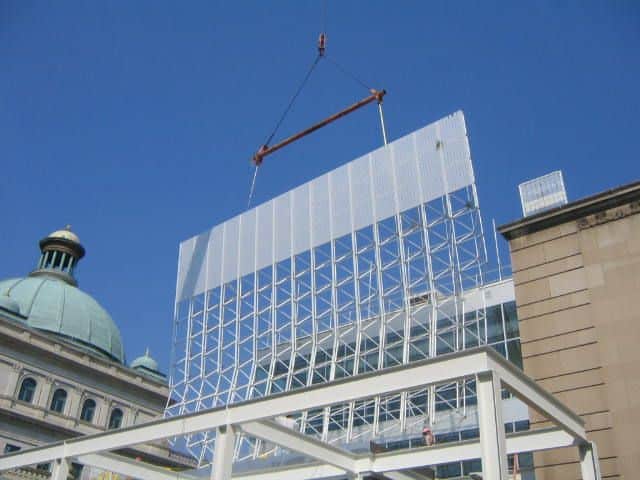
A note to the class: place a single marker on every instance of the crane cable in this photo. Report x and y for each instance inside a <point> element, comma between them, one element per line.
<point>281,119</point>
<point>321,54</point>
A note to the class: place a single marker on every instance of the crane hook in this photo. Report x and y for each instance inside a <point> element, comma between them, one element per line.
<point>322,44</point>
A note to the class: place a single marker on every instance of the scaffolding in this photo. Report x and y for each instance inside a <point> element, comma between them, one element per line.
<point>364,268</point>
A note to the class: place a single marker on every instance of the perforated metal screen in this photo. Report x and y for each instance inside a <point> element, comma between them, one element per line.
<point>411,171</point>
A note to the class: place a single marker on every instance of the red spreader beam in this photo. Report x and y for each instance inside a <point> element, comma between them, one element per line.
<point>376,95</point>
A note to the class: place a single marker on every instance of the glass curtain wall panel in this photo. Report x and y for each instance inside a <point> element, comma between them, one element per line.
<point>366,267</point>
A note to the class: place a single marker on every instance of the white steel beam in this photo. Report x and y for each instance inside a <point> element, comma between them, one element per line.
<point>428,372</point>
<point>298,442</point>
<point>436,370</point>
<point>589,462</point>
<point>223,453</point>
<point>389,464</point>
<point>492,436</point>
<point>131,468</point>
<point>536,397</point>
<point>299,472</point>
<point>406,475</point>
<point>539,440</point>
<point>529,441</point>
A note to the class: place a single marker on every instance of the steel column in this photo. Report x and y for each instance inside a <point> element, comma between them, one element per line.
<point>589,462</point>
<point>223,453</point>
<point>492,436</point>
<point>60,469</point>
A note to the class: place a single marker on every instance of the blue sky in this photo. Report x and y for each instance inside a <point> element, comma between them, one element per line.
<point>135,121</point>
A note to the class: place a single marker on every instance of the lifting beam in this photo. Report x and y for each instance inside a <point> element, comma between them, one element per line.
<point>376,95</point>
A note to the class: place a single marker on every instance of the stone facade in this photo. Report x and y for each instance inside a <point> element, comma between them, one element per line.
<point>576,271</point>
<point>53,364</point>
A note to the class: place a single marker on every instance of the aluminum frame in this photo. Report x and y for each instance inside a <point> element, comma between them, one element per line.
<point>491,371</point>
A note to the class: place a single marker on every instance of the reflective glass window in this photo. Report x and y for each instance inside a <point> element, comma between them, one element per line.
<point>495,331</point>
<point>515,352</point>
<point>511,320</point>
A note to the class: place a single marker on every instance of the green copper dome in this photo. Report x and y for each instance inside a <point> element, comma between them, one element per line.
<point>8,304</point>
<point>148,366</point>
<point>49,299</point>
<point>145,361</point>
<point>55,306</point>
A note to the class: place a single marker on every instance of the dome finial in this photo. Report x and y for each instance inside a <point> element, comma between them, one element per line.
<point>61,251</point>
<point>146,352</point>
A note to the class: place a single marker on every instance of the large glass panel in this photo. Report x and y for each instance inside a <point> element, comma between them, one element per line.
<point>511,320</point>
<point>495,329</point>
<point>514,352</point>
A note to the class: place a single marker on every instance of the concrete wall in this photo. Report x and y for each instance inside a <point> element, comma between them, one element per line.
<point>577,287</point>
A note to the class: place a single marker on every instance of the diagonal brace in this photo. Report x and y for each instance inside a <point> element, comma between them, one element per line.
<point>300,443</point>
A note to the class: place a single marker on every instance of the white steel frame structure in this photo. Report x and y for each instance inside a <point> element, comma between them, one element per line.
<point>361,269</point>
<point>254,418</point>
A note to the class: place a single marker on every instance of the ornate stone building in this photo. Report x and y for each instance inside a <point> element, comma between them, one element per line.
<point>62,365</point>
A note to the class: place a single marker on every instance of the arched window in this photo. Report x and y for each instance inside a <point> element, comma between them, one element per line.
<point>115,420</point>
<point>27,390</point>
<point>88,410</point>
<point>58,400</point>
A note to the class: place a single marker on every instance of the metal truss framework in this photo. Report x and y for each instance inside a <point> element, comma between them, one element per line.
<point>491,372</point>
<point>385,295</point>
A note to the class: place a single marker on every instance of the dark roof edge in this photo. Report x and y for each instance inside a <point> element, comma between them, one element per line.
<point>572,211</point>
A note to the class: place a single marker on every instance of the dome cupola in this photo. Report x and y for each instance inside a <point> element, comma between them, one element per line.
<point>148,366</point>
<point>61,251</point>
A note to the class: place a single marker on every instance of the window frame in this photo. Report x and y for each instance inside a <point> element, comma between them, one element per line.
<point>64,401</point>
<point>93,410</point>
<point>121,420</point>
<point>32,392</point>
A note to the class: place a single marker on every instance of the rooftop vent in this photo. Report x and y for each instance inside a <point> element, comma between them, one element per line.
<point>542,193</point>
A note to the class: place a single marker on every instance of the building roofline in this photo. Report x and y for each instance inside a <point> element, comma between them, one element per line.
<point>572,211</point>
<point>76,354</point>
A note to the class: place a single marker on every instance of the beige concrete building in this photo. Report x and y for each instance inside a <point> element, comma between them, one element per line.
<point>576,271</point>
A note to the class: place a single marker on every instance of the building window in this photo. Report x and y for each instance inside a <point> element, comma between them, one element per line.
<point>88,410</point>
<point>58,400</point>
<point>27,390</point>
<point>115,420</point>
<point>9,448</point>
